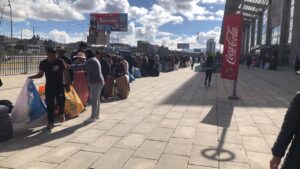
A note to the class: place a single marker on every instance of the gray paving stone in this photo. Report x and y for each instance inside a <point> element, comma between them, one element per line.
<point>238,153</point>
<point>198,158</point>
<point>249,131</point>
<point>185,132</point>
<point>102,144</point>
<point>256,144</point>
<point>160,134</point>
<point>18,160</point>
<point>268,129</point>
<point>174,115</point>
<point>232,165</point>
<point>153,119</point>
<point>38,165</point>
<point>131,141</point>
<point>151,150</point>
<point>143,128</point>
<point>139,163</point>
<point>88,136</point>
<point>113,159</point>
<point>106,124</point>
<point>172,161</point>
<point>259,160</point>
<point>120,130</point>
<point>189,122</point>
<point>133,119</point>
<point>169,123</point>
<point>61,153</point>
<point>179,146</point>
<point>198,167</point>
<point>81,160</point>
<point>206,139</point>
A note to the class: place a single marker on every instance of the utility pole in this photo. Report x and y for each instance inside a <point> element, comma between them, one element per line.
<point>11,28</point>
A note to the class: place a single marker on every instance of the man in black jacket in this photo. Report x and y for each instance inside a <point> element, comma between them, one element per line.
<point>290,132</point>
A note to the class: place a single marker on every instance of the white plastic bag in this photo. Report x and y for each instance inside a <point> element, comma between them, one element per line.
<point>21,109</point>
<point>29,106</point>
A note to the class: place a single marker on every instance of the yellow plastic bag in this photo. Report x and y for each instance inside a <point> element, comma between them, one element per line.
<point>73,104</point>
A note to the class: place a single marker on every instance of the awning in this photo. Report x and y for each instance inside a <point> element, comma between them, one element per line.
<point>250,9</point>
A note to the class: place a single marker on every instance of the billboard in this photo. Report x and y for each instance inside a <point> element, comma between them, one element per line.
<point>183,45</point>
<point>233,25</point>
<point>111,22</point>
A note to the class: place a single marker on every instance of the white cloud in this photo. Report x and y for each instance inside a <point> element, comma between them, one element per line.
<point>191,9</point>
<point>213,1</point>
<point>62,10</point>
<point>64,37</point>
<point>220,13</point>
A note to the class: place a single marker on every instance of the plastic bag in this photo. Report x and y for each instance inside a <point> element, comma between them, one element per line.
<point>137,73</point>
<point>29,106</point>
<point>81,87</point>
<point>73,104</point>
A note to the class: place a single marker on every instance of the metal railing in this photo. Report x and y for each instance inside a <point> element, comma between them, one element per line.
<point>20,59</point>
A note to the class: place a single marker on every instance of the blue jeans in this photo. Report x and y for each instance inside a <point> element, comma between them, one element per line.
<point>95,91</point>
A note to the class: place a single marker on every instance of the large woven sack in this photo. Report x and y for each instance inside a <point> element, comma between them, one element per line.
<point>73,104</point>
<point>81,87</point>
<point>122,84</point>
<point>109,87</point>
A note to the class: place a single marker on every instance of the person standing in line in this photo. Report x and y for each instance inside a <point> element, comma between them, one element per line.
<point>55,71</point>
<point>95,81</point>
<point>60,52</point>
<point>248,62</point>
<point>81,48</point>
<point>289,133</point>
<point>193,62</point>
<point>106,71</point>
<point>209,63</point>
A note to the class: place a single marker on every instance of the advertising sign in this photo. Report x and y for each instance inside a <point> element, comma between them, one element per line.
<point>232,46</point>
<point>111,22</point>
<point>183,46</point>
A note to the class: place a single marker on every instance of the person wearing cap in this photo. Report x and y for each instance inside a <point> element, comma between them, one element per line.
<point>55,71</point>
<point>95,81</point>
<point>60,52</point>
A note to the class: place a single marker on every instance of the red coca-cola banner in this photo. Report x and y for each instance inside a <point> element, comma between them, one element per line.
<point>233,24</point>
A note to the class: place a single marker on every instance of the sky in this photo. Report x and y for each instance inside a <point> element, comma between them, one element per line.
<point>161,22</point>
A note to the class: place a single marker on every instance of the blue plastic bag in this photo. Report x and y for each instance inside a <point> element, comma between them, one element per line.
<point>37,107</point>
<point>131,78</point>
<point>137,73</point>
<point>29,106</point>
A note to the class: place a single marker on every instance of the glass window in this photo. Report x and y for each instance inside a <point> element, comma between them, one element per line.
<point>264,30</point>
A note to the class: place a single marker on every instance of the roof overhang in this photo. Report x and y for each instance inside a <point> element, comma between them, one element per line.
<point>250,9</point>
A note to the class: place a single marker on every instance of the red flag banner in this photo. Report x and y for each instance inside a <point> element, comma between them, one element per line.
<point>232,46</point>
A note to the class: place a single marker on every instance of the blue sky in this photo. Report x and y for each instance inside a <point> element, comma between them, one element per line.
<point>158,21</point>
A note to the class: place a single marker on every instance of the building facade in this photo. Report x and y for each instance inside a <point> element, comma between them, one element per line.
<point>269,28</point>
<point>211,46</point>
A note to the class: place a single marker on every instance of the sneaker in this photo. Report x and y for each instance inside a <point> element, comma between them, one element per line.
<point>50,126</point>
<point>90,120</point>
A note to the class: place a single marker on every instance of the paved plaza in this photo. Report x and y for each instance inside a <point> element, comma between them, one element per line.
<point>169,122</point>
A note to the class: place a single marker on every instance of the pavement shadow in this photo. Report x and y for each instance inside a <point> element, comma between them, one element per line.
<point>220,115</point>
<point>32,138</point>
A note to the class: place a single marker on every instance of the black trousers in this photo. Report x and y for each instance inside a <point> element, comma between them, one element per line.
<point>208,74</point>
<point>54,93</point>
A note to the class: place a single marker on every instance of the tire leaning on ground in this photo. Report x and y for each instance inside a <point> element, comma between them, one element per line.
<point>6,128</point>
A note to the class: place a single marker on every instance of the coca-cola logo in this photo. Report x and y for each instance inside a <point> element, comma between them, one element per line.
<point>232,40</point>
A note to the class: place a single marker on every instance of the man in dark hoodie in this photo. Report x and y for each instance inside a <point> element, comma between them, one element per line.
<point>290,133</point>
